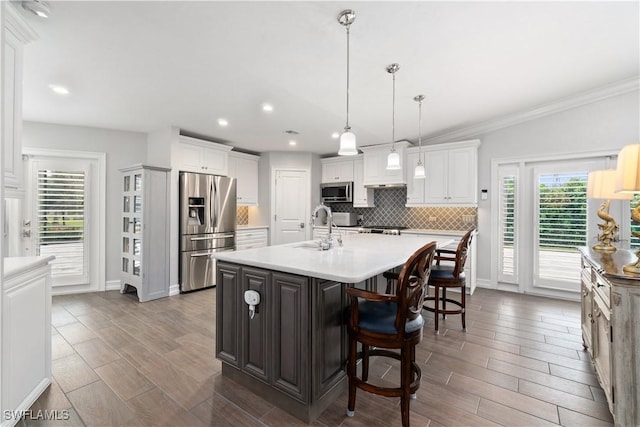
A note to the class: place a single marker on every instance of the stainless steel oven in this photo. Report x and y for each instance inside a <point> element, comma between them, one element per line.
<point>337,192</point>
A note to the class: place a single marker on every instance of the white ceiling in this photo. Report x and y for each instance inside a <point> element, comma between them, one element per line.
<point>141,66</point>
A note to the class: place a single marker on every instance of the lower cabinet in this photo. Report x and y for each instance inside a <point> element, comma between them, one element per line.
<point>295,343</point>
<point>611,330</point>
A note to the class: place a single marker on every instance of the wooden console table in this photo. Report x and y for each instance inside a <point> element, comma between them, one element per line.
<point>611,329</point>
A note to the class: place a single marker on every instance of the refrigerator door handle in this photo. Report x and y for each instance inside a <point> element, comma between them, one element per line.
<point>221,236</point>
<point>214,203</point>
<point>198,255</point>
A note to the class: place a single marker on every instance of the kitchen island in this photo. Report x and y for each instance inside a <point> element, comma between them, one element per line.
<point>292,350</point>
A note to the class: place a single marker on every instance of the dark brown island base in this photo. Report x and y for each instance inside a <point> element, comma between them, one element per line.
<point>290,348</point>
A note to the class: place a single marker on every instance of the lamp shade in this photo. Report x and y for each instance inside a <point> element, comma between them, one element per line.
<point>393,161</point>
<point>419,172</point>
<point>601,185</point>
<point>628,170</point>
<point>347,144</point>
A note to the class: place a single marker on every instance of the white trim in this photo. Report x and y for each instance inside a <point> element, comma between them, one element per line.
<point>26,403</point>
<point>174,290</point>
<point>588,97</point>
<point>112,285</point>
<point>98,250</point>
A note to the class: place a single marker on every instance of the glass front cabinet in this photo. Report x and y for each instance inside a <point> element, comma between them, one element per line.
<point>144,243</point>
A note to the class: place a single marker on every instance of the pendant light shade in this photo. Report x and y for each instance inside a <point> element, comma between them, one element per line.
<point>393,159</point>
<point>348,138</point>
<point>348,144</point>
<point>419,172</point>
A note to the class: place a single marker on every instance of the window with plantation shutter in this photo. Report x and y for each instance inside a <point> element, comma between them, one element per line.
<point>60,217</point>
<point>508,253</point>
<point>561,226</point>
<point>635,227</point>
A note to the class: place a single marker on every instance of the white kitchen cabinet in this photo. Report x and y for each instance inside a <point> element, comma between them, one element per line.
<point>145,231</point>
<point>16,34</point>
<point>362,196</point>
<point>337,169</point>
<point>244,167</point>
<point>375,165</point>
<point>451,175</point>
<point>611,329</point>
<point>201,156</point>
<point>251,238</point>
<point>26,334</point>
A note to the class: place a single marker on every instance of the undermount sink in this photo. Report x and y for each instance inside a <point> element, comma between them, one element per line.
<point>307,246</point>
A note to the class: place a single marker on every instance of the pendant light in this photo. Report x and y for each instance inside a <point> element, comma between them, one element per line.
<point>419,171</point>
<point>348,138</point>
<point>393,159</point>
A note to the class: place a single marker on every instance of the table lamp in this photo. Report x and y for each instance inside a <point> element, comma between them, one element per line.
<point>601,185</point>
<point>628,182</point>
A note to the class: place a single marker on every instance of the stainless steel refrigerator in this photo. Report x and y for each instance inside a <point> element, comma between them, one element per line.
<point>207,226</point>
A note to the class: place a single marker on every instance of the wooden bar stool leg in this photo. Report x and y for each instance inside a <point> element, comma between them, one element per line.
<point>351,373</point>
<point>365,362</point>
<point>436,306</point>
<point>413,373</point>
<point>463,302</point>
<point>444,302</point>
<point>405,383</point>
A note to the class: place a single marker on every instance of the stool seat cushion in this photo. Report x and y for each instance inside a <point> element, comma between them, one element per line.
<point>380,317</point>
<point>443,272</point>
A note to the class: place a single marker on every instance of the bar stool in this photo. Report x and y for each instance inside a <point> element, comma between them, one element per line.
<point>390,322</point>
<point>448,276</point>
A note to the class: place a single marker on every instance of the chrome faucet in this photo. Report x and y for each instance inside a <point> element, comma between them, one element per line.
<point>328,243</point>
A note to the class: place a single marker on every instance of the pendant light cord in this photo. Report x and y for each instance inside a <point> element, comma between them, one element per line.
<point>346,128</point>
<point>393,116</point>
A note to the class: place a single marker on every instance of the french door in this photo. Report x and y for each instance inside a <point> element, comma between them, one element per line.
<point>63,219</point>
<point>543,216</point>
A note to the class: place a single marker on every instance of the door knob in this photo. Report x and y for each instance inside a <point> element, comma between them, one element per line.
<point>302,225</point>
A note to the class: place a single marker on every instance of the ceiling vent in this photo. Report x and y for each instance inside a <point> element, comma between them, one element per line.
<point>37,7</point>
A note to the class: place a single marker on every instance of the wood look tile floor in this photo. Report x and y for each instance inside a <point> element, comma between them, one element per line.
<point>117,362</point>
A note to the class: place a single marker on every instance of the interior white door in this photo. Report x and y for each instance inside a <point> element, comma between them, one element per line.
<point>291,201</point>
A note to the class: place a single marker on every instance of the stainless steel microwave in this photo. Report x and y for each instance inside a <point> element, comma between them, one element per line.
<point>337,192</point>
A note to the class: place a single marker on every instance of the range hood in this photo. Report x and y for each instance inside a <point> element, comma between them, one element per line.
<point>397,185</point>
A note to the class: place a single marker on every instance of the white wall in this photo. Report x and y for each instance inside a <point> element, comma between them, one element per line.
<point>608,124</point>
<point>121,148</point>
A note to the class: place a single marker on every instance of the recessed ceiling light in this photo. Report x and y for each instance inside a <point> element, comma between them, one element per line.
<point>223,122</point>
<point>293,143</point>
<point>267,107</point>
<point>60,90</point>
<point>335,135</point>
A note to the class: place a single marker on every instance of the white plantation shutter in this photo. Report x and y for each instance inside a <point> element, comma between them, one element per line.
<point>60,216</point>
<point>561,224</point>
<point>507,239</point>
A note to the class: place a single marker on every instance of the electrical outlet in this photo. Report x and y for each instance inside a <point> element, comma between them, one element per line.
<point>432,219</point>
<point>468,219</point>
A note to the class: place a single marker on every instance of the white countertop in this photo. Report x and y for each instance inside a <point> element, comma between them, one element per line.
<point>14,266</point>
<point>427,231</point>
<point>362,256</point>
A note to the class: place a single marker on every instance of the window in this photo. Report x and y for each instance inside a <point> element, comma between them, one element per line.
<point>508,254</point>
<point>561,226</point>
<point>60,216</point>
<point>635,227</point>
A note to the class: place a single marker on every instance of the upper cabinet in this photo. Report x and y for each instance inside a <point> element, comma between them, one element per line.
<point>451,175</point>
<point>362,196</point>
<point>16,34</point>
<point>337,169</point>
<point>201,156</point>
<point>375,165</point>
<point>244,167</point>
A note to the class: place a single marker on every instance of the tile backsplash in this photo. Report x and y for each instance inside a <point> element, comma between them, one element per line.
<point>390,210</point>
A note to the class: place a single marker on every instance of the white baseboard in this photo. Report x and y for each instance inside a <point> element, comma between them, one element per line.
<point>174,290</point>
<point>25,404</point>
<point>112,285</point>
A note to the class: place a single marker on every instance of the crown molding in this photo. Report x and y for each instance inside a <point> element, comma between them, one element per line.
<point>476,130</point>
